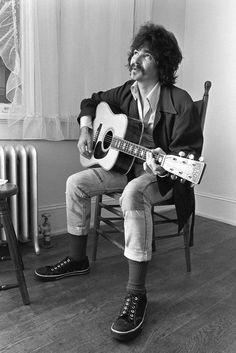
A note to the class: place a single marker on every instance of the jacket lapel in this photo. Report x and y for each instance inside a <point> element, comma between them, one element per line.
<point>165,104</point>
<point>133,110</point>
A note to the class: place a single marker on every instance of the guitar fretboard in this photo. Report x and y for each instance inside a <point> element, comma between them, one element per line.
<point>133,149</point>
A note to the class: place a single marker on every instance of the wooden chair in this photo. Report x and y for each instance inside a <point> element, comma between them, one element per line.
<point>114,224</point>
<point>6,191</point>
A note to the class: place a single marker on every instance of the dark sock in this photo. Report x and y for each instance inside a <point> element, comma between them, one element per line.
<point>137,277</point>
<point>78,247</point>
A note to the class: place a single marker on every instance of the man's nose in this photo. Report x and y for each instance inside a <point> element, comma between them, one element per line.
<point>136,59</point>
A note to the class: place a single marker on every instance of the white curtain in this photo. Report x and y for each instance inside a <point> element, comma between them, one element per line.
<point>9,47</point>
<point>69,49</point>
<point>96,36</point>
<point>143,12</point>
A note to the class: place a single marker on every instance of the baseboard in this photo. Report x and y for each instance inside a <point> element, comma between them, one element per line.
<point>207,205</point>
<point>57,218</point>
<point>215,207</point>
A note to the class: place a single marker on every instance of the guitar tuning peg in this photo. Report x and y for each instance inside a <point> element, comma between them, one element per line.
<point>192,185</point>
<point>173,176</point>
<point>182,154</point>
<point>182,181</point>
<point>201,159</point>
<point>191,156</point>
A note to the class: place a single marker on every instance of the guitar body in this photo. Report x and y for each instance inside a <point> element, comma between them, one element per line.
<point>106,126</point>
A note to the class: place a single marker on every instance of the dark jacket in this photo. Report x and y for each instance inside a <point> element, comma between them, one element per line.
<point>176,128</point>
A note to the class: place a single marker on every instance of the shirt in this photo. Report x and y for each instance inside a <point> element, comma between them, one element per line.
<point>148,112</point>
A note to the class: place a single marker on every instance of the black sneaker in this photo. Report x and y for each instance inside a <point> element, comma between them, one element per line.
<point>130,320</point>
<point>65,268</point>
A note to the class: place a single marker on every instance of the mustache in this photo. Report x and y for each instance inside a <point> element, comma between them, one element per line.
<point>136,66</point>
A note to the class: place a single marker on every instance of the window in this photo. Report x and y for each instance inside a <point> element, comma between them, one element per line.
<point>9,28</point>
<point>4,102</point>
<point>4,74</point>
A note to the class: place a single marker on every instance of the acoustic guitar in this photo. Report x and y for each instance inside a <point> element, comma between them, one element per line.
<point>116,145</point>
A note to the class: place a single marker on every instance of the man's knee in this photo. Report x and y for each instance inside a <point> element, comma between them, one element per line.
<point>131,198</point>
<point>75,185</point>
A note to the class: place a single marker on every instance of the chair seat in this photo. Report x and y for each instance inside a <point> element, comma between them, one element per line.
<point>117,194</point>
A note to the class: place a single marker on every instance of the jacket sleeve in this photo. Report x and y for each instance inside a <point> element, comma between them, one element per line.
<point>187,133</point>
<point>113,97</point>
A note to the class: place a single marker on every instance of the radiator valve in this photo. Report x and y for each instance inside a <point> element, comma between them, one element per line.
<point>46,230</point>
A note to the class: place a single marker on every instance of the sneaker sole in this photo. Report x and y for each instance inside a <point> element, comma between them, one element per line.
<point>128,335</point>
<point>57,277</point>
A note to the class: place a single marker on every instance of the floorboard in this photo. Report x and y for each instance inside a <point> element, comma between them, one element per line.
<point>187,313</point>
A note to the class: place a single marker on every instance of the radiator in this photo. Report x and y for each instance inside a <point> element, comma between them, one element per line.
<point>18,164</point>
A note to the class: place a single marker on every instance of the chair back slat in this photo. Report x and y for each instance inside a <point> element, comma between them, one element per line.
<point>201,105</point>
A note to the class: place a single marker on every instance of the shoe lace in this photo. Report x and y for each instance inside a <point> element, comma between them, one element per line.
<point>60,264</point>
<point>129,307</point>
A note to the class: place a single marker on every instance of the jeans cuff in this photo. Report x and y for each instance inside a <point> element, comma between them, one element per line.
<point>137,255</point>
<point>77,230</point>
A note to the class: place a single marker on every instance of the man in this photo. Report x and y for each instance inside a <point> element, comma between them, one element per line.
<point>170,126</point>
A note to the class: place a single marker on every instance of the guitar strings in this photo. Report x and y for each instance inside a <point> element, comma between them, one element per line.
<point>128,147</point>
<point>140,150</point>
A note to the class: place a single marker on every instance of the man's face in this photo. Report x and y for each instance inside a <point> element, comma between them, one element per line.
<point>143,66</point>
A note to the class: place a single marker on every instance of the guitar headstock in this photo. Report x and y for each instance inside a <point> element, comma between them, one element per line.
<point>184,168</point>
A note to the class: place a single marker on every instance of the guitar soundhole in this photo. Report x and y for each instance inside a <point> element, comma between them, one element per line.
<point>107,139</point>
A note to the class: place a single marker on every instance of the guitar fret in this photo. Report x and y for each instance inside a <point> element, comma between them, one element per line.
<point>130,149</point>
<point>142,154</point>
<point>124,146</point>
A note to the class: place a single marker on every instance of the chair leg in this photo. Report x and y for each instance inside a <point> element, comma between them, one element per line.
<point>186,235</point>
<point>15,256</point>
<point>96,226</point>
<point>153,232</point>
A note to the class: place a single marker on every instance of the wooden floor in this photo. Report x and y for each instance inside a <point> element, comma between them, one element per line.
<point>187,313</point>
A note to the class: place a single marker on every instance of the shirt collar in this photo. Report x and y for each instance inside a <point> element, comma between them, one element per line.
<point>134,90</point>
<point>152,97</point>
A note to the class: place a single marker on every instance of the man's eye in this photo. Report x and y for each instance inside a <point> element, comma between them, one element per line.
<point>148,56</point>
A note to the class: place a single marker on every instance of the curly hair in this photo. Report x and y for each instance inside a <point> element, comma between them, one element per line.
<point>163,47</point>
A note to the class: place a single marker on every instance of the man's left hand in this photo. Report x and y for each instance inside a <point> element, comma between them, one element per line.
<point>151,166</point>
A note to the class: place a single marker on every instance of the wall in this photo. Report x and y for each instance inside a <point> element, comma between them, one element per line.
<point>171,15</point>
<point>206,33</point>
<point>210,54</point>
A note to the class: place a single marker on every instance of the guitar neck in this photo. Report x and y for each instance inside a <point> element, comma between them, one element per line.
<point>133,149</point>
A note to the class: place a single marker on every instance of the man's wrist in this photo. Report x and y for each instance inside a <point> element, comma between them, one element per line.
<point>163,175</point>
<point>86,121</point>
<point>86,128</point>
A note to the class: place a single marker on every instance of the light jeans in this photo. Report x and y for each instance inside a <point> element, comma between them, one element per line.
<point>136,200</point>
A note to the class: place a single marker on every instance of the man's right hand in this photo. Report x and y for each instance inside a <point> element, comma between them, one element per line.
<point>85,142</point>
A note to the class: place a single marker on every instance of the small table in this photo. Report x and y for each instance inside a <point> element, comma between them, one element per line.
<point>7,190</point>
